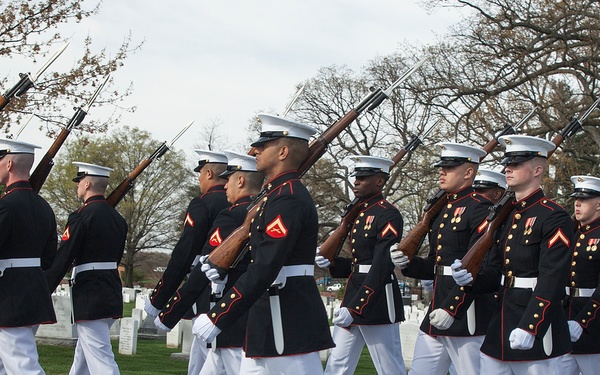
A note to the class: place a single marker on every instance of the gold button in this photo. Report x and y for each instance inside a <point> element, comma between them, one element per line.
<point>223,304</point>
<point>366,292</point>
<point>451,307</point>
<point>357,221</point>
<point>449,205</point>
<point>439,236</point>
<point>455,196</point>
<point>589,313</point>
<point>523,204</point>
<point>441,225</point>
<point>353,251</point>
<point>457,298</point>
<point>366,234</point>
<point>541,304</point>
<point>453,228</point>
<point>594,305</point>
<point>573,273</point>
<point>545,201</point>
<point>354,230</point>
<point>583,321</point>
<point>462,288</point>
<point>252,221</point>
<point>445,216</point>
<point>439,258</point>
<point>514,226</point>
<point>362,300</point>
<point>507,261</point>
<point>439,247</point>
<point>213,315</point>
<point>509,273</point>
<point>582,236</point>
<point>362,214</point>
<point>232,295</point>
<point>168,305</point>
<point>575,253</point>
<point>353,240</point>
<point>573,263</point>
<point>507,249</point>
<point>573,283</point>
<point>510,236</point>
<point>357,307</point>
<point>531,326</point>
<point>536,316</point>
<point>161,314</point>
<point>578,244</point>
<point>517,216</point>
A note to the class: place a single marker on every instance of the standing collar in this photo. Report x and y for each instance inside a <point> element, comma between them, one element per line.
<point>280,180</point>
<point>94,198</point>
<point>530,200</point>
<point>452,197</point>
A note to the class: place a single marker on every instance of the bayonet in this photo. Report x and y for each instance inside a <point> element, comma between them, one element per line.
<point>41,71</point>
<point>24,125</point>
<point>289,107</point>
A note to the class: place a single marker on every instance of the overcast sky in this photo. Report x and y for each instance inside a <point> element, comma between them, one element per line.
<point>225,60</point>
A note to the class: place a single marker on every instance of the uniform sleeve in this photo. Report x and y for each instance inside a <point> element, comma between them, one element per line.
<point>224,224</point>
<point>49,252</point>
<point>71,243</point>
<point>553,270</point>
<point>284,217</point>
<point>195,228</point>
<point>389,232</point>
<point>588,316</point>
<point>341,268</point>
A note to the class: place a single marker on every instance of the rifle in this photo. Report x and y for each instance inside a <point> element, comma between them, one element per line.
<point>120,191</point>
<point>27,80</point>
<point>41,172</point>
<point>411,243</point>
<point>500,211</point>
<point>333,244</point>
<point>232,248</point>
<point>15,136</point>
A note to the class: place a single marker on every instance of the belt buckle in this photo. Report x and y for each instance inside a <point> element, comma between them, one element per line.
<point>354,267</point>
<point>439,270</point>
<point>509,281</point>
<point>573,292</point>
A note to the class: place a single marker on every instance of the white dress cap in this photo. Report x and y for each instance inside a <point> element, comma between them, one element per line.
<point>586,186</point>
<point>453,154</point>
<point>520,148</point>
<point>238,162</point>
<point>206,157</point>
<point>11,146</point>
<point>273,127</point>
<point>87,169</point>
<point>370,165</point>
<point>487,178</point>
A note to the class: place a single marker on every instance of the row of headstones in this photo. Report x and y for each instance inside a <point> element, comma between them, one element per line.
<point>128,329</point>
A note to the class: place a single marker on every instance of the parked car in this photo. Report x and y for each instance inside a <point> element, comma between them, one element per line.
<point>334,288</point>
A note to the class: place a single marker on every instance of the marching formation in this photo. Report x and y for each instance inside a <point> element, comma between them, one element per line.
<point>514,278</point>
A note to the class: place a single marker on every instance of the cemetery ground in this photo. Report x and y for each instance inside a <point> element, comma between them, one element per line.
<point>152,358</point>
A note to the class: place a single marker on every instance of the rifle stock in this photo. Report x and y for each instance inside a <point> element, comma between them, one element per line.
<point>42,170</point>
<point>120,191</point>
<point>332,245</point>
<point>498,214</point>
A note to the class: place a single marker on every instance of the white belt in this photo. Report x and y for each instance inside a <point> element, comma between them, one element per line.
<point>361,268</point>
<point>293,271</point>
<point>580,292</point>
<point>18,263</point>
<point>518,282</point>
<point>92,266</point>
<point>443,270</point>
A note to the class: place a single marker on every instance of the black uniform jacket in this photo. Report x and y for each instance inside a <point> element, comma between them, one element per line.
<point>458,226</point>
<point>377,227</point>
<point>28,231</point>
<point>284,233</point>
<point>200,216</point>
<point>197,284</point>
<point>94,233</point>
<point>585,273</point>
<point>534,243</point>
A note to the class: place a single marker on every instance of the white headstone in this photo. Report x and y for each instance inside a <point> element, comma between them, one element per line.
<point>63,328</point>
<point>138,315</point>
<point>140,302</point>
<point>174,336</point>
<point>128,336</point>
<point>408,337</point>
<point>131,293</point>
<point>186,329</point>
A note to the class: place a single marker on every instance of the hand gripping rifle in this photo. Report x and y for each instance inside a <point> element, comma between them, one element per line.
<point>411,243</point>
<point>500,211</point>
<point>333,244</point>
<point>231,249</point>
<point>41,172</point>
<point>120,191</point>
<point>27,80</point>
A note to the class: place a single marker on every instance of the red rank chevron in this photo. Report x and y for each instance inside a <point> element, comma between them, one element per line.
<point>559,235</point>
<point>389,228</point>
<point>276,228</point>
<point>188,220</point>
<point>215,238</point>
<point>66,235</point>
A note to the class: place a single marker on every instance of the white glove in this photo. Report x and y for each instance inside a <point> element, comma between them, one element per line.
<point>427,285</point>
<point>575,330</point>
<point>461,276</point>
<point>440,319</point>
<point>160,325</point>
<point>398,258</point>
<point>521,339</point>
<point>218,286</point>
<point>321,261</point>
<point>150,310</point>
<point>204,328</point>
<point>211,273</point>
<point>203,259</point>
<point>342,317</point>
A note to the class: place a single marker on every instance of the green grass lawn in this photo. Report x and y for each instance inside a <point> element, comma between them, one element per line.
<point>152,358</point>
